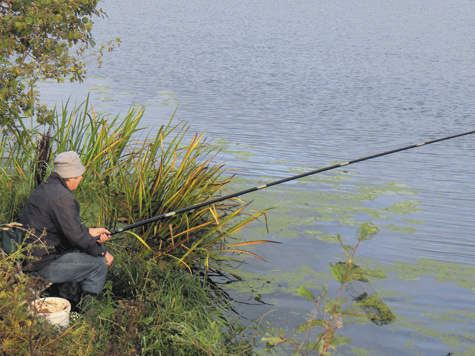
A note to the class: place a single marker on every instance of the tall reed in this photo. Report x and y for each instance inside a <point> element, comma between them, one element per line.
<point>17,177</point>
<point>132,174</point>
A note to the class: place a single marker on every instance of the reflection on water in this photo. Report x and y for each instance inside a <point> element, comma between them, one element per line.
<point>287,86</point>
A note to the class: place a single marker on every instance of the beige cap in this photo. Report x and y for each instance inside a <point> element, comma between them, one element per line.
<point>68,165</point>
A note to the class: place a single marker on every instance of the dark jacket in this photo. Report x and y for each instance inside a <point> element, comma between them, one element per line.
<point>54,209</point>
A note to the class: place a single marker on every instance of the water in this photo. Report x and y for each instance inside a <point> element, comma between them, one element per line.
<point>297,85</point>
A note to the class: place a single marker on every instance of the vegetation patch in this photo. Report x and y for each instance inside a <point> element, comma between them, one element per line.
<point>159,297</point>
<point>462,275</point>
<point>145,310</point>
<point>298,208</point>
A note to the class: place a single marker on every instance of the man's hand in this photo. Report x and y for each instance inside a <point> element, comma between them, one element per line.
<point>109,258</point>
<point>102,234</point>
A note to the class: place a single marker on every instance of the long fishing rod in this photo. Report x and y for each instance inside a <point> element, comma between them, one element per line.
<point>217,200</point>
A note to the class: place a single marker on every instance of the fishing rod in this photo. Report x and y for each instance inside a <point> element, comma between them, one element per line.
<point>329,168</point>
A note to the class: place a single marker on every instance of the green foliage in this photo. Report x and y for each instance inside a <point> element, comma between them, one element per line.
<point>153,304</point>
<point>332,314</point>
<point>378,312</point>
<point>23,333</point>
<point>145,310</point>
<point>17,171</point>
<point>132,176</point>
<point>365,232</point>
<point>344,272</point>
<point>304,292</point>
<point>39,40</point>
<point>182,316</point>
<point>150,310</point>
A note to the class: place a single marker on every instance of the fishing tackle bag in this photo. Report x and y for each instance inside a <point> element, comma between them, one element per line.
<point>11,239</point>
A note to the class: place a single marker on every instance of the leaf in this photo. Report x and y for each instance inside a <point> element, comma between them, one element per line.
<point>254,243</point>
<point>310,324</point>
<point>366,231</point>
<point>272,340</point>
<point>324,291</point>
<point>46,36</point>
<point>339,272</point>
<point>242,252</point>
<point>139,238</point>
<point>304,292</point>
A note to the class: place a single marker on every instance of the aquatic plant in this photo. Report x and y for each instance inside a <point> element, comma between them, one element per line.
<point>332,313</point>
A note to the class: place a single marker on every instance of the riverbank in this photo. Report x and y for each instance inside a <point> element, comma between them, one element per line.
<point>158,298</point>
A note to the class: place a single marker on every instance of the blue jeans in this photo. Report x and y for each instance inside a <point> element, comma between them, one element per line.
<point>88,271</point>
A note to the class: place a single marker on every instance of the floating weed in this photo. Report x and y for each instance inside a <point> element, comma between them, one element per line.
<point>404,207</point>
<point>101,89</point>
<point>348,222</point>
<point>107,99</point>
<point>444,272</point>
<point>459,316</point>
<point>462,275</point>
<point>277,281</point>
<point>333,238</point>
<point>334,179</point>
<point>283,161</point>
<point>359,351</point>
<point>414,222</point>
<point>374,214</point>
<point>317,233</point>
<point>233,148</point>
<point>458,338</point>
<point>365,196</point>
<point>332,313</point>
<point>330,200</point>
<point>220,143</point>
<point>389,189</point>
<point>451,327</point>
<point>167,97</point>
<point>243,155</point>
<point>402,229</point>
<point>376,308</point>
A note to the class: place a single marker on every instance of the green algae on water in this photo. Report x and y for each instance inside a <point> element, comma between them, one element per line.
<point>435,326</point>
<point>403,229</point>
<point>404,207</point>
<point>243,155</point>
<point>462,275</point>
<point>414,222</point>
<point>299,206</point>
<point>274,281</point>
<point>389,189</point>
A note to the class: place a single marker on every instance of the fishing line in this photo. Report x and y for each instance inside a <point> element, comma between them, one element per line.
<point>250,190</point>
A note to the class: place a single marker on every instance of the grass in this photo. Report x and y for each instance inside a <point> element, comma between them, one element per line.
<point>145,311</point>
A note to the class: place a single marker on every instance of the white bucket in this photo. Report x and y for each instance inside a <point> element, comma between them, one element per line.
<point>54,310</point>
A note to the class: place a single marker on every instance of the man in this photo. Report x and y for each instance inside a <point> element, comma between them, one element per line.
<point>65,250</point>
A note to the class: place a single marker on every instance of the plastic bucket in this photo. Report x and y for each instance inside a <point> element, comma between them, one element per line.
<point>54,310</point>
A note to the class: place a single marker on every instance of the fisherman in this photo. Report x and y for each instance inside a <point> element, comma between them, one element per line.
<point>65,251</point>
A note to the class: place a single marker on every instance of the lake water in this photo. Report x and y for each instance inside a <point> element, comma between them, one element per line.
<point>285,87</point>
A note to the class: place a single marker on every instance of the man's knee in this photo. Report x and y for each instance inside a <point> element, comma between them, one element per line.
<point>101,265</point>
